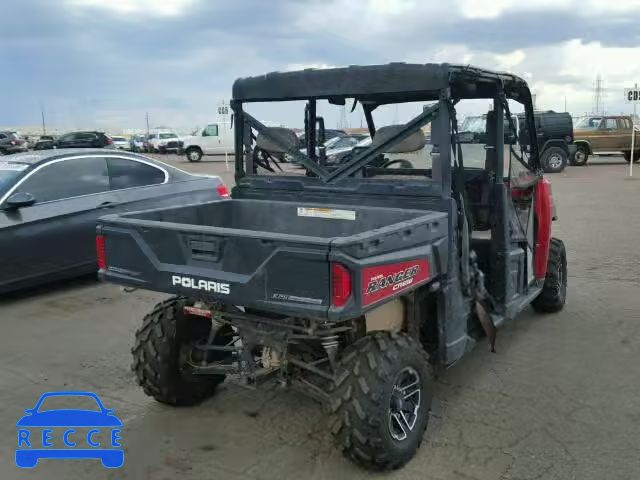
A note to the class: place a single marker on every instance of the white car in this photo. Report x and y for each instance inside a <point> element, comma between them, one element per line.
<point>120,143</point>
<point>214,139</point>
<point>163,141</point>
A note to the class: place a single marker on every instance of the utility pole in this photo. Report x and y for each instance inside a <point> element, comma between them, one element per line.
<point>44,126</point>
<point>147,124</point>
<point>565,103</point>
<point>597,94</point>
<point>634,106</point>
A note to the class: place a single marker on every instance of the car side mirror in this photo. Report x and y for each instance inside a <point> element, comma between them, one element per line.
<point>19,200</point>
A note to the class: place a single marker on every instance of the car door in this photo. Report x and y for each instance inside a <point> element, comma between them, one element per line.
<point>211,141</point>
<point>56,235</point>
<point>623,136</point>
<point>609,136</point>
<point>66,141</point>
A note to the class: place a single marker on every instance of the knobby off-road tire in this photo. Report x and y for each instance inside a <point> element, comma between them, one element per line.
<point>159,355</point>
<point>554,291</point>
<point>365,396</point>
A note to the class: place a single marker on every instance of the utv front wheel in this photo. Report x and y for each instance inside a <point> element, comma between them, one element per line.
<point>164,350</point>
<point>554,292</point>
<point>380,404</point>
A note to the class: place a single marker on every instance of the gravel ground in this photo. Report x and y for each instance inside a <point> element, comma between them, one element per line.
<point>559,400</point>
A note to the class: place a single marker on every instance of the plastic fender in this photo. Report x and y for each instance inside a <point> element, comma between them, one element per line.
<point>544,214</point>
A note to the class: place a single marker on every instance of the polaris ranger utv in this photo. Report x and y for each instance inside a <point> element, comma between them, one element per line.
<point>348,280</point>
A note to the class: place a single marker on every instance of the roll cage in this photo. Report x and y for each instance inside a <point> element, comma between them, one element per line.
<point>374,86</point>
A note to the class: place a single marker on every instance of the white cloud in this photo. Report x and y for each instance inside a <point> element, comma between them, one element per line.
<point>495,8</point>
<point>147,7</point>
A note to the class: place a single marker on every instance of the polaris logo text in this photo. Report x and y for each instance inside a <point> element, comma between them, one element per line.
<point>396,280</point>
<point>206,285</point>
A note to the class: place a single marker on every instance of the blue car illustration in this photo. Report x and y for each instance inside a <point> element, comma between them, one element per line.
<point>28,452</point>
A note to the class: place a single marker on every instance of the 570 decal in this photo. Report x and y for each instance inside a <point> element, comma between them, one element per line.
<point>385,280</point>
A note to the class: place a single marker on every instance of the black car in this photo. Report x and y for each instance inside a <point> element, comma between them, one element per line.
<point>50,202</point>
<point>554,134</point>
<point>88,139</point>
<point>328,135</point>
<point>554,131</point>
<point>11,142</point>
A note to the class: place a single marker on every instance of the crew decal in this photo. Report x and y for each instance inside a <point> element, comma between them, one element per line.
<point>385,280</point>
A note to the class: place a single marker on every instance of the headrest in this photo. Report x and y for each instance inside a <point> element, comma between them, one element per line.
<point>412,143</point>
<point>285,135</point>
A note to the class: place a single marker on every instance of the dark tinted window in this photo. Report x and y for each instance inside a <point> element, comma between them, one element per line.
<point>128,173</point>
<point>67,137</point>
<point>86,136</point>
<point>68,178</point>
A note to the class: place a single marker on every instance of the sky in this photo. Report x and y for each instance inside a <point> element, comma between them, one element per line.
<point>106,63</point>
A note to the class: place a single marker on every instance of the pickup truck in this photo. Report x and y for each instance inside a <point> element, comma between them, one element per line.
<point>596,134</point>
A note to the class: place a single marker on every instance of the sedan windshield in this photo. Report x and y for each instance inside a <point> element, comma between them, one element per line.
<point>474,124</point>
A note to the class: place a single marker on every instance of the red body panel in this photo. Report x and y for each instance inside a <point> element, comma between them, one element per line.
<point>383,281</point>
<point>544,214</point>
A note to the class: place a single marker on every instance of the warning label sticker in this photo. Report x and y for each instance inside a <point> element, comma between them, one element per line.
<point>331,213</point>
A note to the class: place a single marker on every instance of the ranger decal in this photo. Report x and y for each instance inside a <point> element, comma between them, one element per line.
<point>383,281</point>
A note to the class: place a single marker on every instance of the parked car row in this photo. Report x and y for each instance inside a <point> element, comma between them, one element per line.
<point>50,201</point>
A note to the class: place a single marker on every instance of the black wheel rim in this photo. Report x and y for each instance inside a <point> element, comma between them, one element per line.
<point>404,405</point>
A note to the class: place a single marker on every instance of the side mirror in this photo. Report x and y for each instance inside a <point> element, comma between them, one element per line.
<point>19,200</point>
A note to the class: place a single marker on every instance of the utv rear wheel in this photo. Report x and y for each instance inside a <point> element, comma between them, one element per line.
<point>163,350</point>
<point>380,406</point>
<point>554,160</point>
<point>554,291</point>
<point>581,156</point>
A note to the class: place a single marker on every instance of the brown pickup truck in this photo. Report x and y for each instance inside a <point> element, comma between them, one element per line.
<point>603,134</point>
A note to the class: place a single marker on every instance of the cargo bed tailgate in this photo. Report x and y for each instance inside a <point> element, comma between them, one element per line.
<point>280,272</point>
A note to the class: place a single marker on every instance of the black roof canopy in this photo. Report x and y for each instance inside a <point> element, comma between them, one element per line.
<point>394,82</point>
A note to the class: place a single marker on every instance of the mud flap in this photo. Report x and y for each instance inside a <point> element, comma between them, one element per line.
<point>482,311</point>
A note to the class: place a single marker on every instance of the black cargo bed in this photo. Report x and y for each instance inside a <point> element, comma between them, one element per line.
<point>270,255</point>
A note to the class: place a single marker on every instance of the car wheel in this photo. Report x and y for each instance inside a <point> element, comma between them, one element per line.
<point>554,292</point>
<point>380,404</point>
<point>194,154</point>
<point>581,156</point>
<point>167,345</point>
<point>627,156</point>
<point>554,160</point>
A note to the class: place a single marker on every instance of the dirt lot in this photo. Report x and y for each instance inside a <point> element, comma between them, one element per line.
<point>559,400</point>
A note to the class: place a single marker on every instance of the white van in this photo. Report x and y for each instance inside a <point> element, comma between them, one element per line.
<point>214,139</point>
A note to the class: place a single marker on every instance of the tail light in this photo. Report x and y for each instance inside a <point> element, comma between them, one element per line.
<point>102,257</point>
<point>109,141</point>
<point>222,190</point>
<point>340,285</point>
